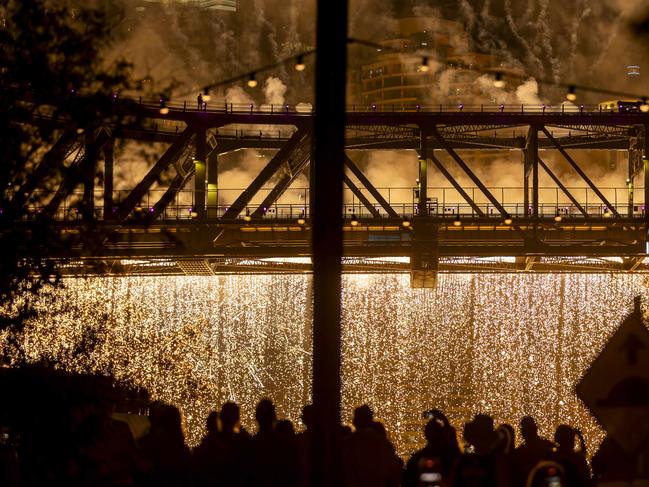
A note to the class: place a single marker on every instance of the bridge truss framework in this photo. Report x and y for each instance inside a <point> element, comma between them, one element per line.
<point>479,235</point>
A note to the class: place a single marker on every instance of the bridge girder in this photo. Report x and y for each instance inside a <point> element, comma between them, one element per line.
<point>197,136</point>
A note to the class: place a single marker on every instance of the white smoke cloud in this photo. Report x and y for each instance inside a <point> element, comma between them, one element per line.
<point>528,93</point>
<point>274,91</point>
<point>238,96</point>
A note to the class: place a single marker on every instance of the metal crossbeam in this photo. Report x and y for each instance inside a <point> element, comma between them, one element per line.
<point>469,173</point>
<point>361,197</point>
<point>178,183</point>
<point>79,172</point>
<point>455,184</point>
<point>583,175</point>
<point>596,130</point>
<point>52,160</point>
<point>565,190</point>
<point>370,187</point>
<point>385,132</point>
<point>294,166</point>
<point>168,158</point>
<point>450,131</point>
<point>264,176</point>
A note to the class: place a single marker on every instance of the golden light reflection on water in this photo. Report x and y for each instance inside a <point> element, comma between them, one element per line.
<point>507,345</point>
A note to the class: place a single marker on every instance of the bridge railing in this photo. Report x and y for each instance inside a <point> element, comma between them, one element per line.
<point>443,202</point>
<point>222,106</point>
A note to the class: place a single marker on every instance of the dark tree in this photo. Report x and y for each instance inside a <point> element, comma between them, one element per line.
<point>59,102</point>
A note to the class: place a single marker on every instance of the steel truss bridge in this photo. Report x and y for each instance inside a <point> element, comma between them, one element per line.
<point>148,230</point>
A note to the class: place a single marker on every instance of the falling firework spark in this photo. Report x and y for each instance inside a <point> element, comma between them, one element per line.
<point>469,345</point>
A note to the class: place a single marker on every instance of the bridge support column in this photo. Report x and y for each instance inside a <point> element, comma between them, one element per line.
<point>88,170</point>
<point>422,203</point>
<point>109,151</point>
<point>213,185</point>
<point>199,174</point>
<point>424,257</point>
<point>636,147</point>
<point>532,166</point>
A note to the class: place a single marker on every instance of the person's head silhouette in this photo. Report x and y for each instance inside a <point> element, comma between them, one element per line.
<point>434,432</point>
<point>363,417</point>
<point>529,430</point>
<point>564,436</point>
<point>265,414</point>
<point>229,416</point>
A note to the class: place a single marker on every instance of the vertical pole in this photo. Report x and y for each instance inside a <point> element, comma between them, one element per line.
<point>213,184</point>
<point>532,165</point>
<point>88,175</point>
<point>535,173</point>
<point>629,185</point>
<point>109,151</point>
<point>199,174</point>
<point>327,237</point>
<point>527,166</point>
<point>422,204</point>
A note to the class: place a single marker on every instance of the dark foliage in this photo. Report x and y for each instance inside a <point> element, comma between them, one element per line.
<point>59,102</point>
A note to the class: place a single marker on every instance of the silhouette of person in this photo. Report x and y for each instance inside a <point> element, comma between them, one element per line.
<point>303,442</point>
<point>164,448</point>
<point>532,451</point>
<point>291,461</point>
<point>367,457</point>
<point>205,455</point>
<point>574,463</point>
<point>199,101</point>
<point>271,464</point>
<point>506,439</point>
<point>437,457</point>
<point>481,464</point>
<point>232,449</point>
<point>397,462</point>
<point>105,451</point>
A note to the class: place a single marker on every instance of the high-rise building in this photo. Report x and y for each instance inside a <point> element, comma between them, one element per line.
<point>428,62</point>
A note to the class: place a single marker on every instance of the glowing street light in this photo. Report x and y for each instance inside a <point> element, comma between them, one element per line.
<point>164,109</point>
<point>424,68</point>
<point>571,95</point>
<point>644,107</point>
<point>499,82</point>
<point>299,63</point>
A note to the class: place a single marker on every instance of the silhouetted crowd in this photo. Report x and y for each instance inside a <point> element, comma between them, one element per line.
<point>91,448</point>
